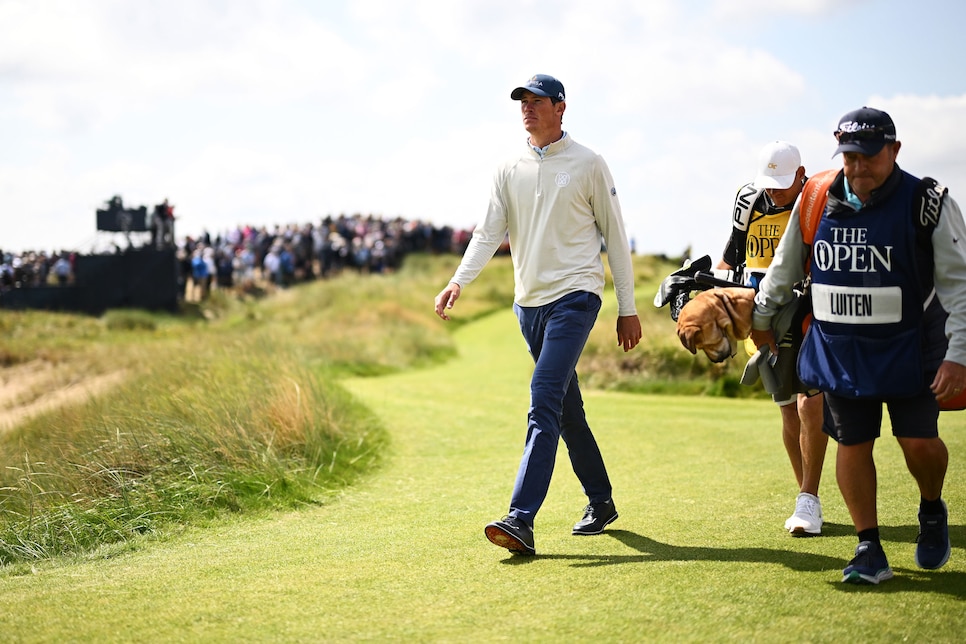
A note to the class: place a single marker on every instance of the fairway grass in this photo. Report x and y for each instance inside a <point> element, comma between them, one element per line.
<point>698,554</point>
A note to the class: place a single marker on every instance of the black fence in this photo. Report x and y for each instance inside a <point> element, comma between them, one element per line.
<point>144,278</point>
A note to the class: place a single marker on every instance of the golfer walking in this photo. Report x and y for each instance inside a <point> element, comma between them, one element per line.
<point>558,203</point>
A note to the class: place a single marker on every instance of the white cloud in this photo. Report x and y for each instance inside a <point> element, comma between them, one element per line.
<point>271,111</point>
<point>929,128</point>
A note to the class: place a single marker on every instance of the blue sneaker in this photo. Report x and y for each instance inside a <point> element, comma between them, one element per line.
<point>869,566</point>
<point>932,544</point>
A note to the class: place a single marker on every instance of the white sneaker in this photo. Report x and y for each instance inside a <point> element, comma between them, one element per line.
<point>807,519</point>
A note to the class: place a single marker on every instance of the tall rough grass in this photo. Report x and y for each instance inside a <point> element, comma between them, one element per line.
<point>226,428</point>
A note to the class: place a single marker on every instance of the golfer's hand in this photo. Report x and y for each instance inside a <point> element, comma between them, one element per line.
<point>763,337</point>
<point>628,331</point>
<point>446,298</point>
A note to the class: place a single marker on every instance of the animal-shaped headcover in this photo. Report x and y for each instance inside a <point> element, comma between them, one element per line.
<point>716,321</point>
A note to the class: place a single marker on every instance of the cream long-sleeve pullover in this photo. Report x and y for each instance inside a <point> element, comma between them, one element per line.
<point>557,209</point>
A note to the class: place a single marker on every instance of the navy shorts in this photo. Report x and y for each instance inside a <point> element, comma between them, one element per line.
<point>851,421</point>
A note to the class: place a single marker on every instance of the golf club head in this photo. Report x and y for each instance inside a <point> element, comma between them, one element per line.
<point>680,299</point>
<point>671,286</point>
<point>681,279</point>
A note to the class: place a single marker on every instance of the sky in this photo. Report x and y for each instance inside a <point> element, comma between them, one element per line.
<point>277,112</point>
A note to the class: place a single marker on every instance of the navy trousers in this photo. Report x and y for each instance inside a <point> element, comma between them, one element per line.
<point>556,334</point>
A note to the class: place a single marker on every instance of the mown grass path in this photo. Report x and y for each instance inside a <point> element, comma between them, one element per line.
<point>698,553</point>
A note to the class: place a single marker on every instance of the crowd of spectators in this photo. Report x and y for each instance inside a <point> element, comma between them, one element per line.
<point>280,255</point>
<point>284,255</point>
<point>36,268</point>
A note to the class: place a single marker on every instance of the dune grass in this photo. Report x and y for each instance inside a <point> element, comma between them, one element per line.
<point>228,429</point>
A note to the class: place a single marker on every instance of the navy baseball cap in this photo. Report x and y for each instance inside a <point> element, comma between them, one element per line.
<point>865,131</point>
<point>541,85</point>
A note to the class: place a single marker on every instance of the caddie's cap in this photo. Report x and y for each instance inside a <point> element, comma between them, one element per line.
<point>778,162</point>
<point>864,131</point>
<point>541,85</point>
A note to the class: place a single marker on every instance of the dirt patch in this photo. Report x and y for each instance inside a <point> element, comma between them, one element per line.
<point>38,386</point>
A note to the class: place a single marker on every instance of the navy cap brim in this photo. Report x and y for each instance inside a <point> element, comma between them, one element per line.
<point>868,148</point>
<point>517,94</point>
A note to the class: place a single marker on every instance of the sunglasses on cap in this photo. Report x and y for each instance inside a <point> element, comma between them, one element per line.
<point>867,134</point>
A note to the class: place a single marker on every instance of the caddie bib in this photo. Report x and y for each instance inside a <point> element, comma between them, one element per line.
<point>864,340</point>
<point>764,233</point>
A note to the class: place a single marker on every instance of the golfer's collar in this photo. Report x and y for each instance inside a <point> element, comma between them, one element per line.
<point>541,152</point>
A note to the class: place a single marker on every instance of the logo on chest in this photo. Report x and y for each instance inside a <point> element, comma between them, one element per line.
<point>848,249</point>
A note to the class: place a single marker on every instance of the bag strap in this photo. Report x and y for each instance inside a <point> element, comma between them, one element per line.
<point>814,199</point>
<point>927,205</point>
<point>744,205</point>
